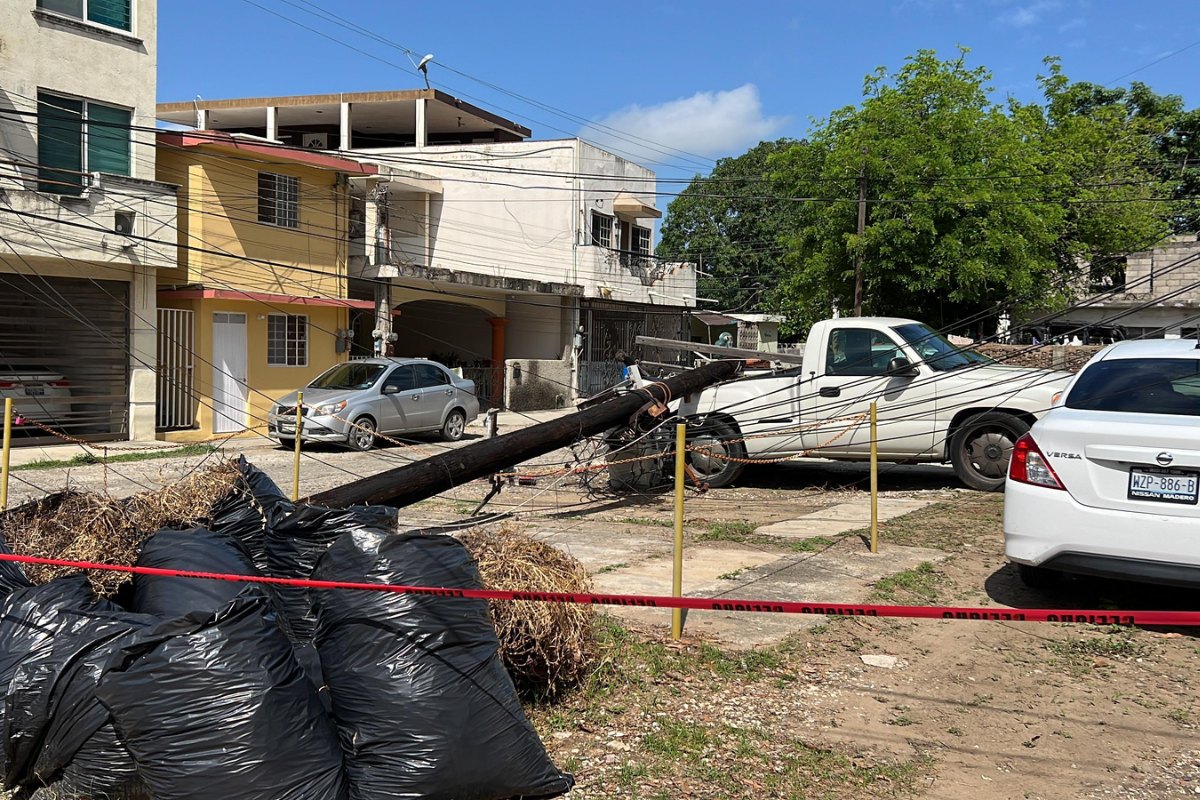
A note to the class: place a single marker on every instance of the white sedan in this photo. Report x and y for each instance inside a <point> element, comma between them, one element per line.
<point>1107,482</point>
<point>37,393</point>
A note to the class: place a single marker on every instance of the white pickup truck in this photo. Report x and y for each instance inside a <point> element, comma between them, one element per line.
<point>935,403</point>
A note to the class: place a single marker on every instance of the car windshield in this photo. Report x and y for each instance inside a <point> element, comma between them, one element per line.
<point>349,376</point>
<point>936,350</point>
<point>1139,386</point>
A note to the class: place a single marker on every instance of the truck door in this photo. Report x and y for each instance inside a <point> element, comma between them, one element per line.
<point>852,375</point>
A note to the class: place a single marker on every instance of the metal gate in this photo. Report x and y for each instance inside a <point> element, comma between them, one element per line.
<point>64,357</point>
<point>176,369</point>
<point>611,328</point>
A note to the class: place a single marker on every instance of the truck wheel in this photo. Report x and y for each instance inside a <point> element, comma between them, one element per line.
<point>981,447</point>
<point>716,437</point>
<point>1038,577</point>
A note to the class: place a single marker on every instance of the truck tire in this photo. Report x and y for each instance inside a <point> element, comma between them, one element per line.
<point>981,447</point>
<point>1038,577</point>
<point>717,437</point>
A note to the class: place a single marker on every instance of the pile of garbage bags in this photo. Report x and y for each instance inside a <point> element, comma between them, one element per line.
<point>240,690</point>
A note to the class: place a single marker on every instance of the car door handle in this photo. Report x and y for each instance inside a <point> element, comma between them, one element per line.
<point>449,392</point>
<point>831,391</point>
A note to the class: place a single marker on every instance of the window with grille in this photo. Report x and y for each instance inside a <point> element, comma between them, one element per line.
<point>279,200</point>
<point>641,241</point>
<point>76,137</point>
<point>113,13</point>
<point>602,228</point>
<point>287,340</point>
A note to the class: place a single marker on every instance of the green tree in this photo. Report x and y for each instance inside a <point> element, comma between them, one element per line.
<point>729,223</point>
<point>971,202</point>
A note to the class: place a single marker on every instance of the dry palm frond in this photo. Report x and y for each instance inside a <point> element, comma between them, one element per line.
<point>83,526</point>
<point>545,646</point>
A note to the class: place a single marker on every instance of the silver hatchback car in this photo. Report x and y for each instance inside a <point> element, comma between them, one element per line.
<point>380,396</point>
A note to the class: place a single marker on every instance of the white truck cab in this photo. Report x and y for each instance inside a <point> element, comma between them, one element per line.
<point>936,402</point>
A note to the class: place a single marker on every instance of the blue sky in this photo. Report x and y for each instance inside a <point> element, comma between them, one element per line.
<point>690,75</point>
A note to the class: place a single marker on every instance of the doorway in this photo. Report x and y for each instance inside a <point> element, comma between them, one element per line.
<point>230,391</point>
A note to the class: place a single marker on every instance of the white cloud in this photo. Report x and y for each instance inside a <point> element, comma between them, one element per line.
<point>706,124</point>
<point>1073,24</point>
<point>1026,15</point>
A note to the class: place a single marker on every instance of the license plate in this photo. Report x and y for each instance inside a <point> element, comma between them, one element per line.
<point>1164,485</point>
<point>35,391</point>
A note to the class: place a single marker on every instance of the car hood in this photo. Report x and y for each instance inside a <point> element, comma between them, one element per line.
<point>317,397</point>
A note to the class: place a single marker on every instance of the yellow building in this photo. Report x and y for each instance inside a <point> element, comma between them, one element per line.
<point>257,306</point>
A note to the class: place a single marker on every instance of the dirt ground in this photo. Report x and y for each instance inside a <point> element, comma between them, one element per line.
<point>986,710</point>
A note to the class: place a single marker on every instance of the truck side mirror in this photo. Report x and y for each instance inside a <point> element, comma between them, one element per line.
<point>901,367</point>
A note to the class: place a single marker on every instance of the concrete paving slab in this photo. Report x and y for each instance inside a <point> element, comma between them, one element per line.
<point>842,517</point>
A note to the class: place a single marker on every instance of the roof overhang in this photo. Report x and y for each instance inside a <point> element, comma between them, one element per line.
<point>628,206</point>
<point>261,297</point>
<point>227,141</point>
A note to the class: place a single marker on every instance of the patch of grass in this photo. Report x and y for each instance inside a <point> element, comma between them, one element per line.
<point>731,576</point>
<point>954,731</point>
<point>676,739</point>
<point>980,700</point>
<point>811,545</point>
<point>612,568</point>
<point>727,531</point>
<point>901,721</point>
<point>659,523</point>
<point>1180,715</point>
<point>1081,656</point>
<point>969,518</point>
<point>914,586</point>
<point>88,458</point>
<point>629,774</point>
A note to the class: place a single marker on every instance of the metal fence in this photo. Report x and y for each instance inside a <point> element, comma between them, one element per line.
<point>613,329</point>
<point>176,369</point>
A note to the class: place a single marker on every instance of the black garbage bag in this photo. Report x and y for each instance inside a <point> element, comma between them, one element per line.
<point>249,510</point>
<point>422,701</point>
<point>55,733</point>
<point>215,705</point>
<point>297,540</point>
<point>192,550</point>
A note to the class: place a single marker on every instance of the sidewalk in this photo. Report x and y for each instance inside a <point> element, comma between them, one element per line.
<point>21,456</point>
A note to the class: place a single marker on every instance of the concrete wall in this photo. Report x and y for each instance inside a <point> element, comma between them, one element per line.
<point>44,50</point>
<point>540,327</point>
<point>537,384</point>
<point>266,383</point>
<point>218,212</point>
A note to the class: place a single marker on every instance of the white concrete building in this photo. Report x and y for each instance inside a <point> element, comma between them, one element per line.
<point>77,193</point>
<point>481,246</point>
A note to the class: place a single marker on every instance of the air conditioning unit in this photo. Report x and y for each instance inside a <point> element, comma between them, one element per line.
<point>316,141</point>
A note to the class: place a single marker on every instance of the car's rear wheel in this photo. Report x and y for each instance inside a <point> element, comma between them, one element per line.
<point>1038,577</point>
<point>362,438</point>
<point>712,463</point>
<point>455,426</point>
<point>982,446</point>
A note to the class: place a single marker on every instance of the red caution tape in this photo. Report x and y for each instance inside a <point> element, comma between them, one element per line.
<point>697,603</point>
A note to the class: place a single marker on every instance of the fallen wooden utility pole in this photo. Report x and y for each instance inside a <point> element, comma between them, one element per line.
<point>417,481</point>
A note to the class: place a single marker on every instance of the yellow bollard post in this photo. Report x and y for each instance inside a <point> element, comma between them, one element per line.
<point>874,482</point>
<point>7,450</point>
<point>677,577</point>
<point>296,464</point>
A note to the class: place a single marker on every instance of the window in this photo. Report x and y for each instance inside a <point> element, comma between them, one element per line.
<point>279,200</point>
<point>403,378</point>
<point>77,137</point>
<point>352,375</point>
<point>113,13</point>
<point>1139,386</point>
<point>936,350</point>
<point>858,351</point>
<point>429,376</point>
<point>287,340</point>
<point>602,227</point>
<point>641,241</point>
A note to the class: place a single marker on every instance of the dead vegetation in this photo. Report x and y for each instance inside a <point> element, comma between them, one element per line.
<point>86,526</point>
<point>545,646</point>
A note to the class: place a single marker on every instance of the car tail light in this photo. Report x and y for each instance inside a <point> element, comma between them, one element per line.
<point>7,385</point>
<point>59,384</point>
<point>1029,465</point>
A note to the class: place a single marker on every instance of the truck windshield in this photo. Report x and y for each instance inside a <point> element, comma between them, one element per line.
<point>349,376</point>
<point>936,350</point>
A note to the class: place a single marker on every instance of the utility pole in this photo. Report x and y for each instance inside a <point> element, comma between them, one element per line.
<point>862,226</point>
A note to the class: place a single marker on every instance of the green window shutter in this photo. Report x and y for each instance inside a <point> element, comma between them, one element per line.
<point>108,139</point>
<point>60,144</point>
<point>72,8</point>
<point>114,13</point>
